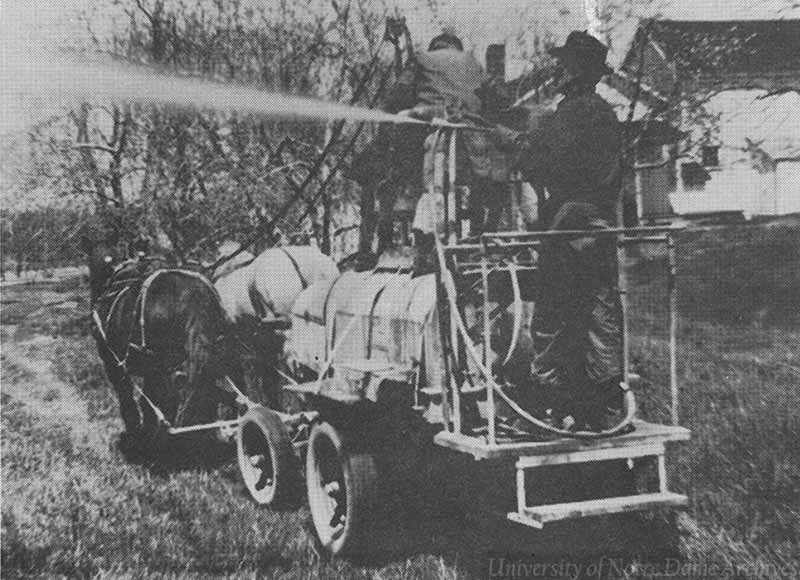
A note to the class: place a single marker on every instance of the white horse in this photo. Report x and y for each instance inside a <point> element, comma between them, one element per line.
<point>241,259</point>
<point>267,287</point>
<point>257,296</point>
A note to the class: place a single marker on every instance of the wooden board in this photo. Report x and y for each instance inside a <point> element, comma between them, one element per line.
<point>643,434</point>
<point>537,516</point>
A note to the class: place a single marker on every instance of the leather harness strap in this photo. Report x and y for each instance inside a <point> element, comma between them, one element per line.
<point>149,281</point>
<point>303,281</point>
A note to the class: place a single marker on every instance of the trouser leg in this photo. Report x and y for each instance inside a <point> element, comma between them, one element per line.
<point>577,327</point>
<point>368,216</point>
<point>386,200</point>
<point>603,325</point>
<point>603,335</point>
<point>494,200</point>
<point>554,329</point>
<point>485,205</point>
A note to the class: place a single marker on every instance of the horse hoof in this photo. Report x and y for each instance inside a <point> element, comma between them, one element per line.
<point>131,447</point>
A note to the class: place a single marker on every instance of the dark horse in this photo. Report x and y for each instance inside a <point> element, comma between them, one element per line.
<point>163,324</point>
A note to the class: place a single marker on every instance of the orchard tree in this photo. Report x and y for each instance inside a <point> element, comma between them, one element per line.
<point>201,176</point>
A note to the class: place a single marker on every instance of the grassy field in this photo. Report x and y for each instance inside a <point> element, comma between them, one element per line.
<point>73,508</point>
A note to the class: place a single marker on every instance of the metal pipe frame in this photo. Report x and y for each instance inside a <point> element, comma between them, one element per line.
<point>645,230</point>
<point>622,292</point>
<point>486,347</point>
<point>673,329</point>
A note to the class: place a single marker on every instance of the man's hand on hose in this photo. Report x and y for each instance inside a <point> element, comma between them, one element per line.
<point>421,112</point>
<point>477,120</point>
<point>509,138</point>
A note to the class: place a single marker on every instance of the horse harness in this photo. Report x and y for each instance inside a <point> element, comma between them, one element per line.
<point>119,288</point>
<point>259,302</point>
<point>303,281</point>
<point>141,300</point>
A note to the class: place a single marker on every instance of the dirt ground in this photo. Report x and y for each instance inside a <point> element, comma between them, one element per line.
<point>73,508</point>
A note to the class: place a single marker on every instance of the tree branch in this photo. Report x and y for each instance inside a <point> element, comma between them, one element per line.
<point>140,4</point>
<point>94,146</point>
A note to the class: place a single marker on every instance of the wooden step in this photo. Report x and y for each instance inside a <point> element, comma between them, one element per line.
<point>537,516</point>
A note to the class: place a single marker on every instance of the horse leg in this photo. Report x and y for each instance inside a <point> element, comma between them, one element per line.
<point>269,348</point>
<point>156,385</point>
<point>197,403</point>
<point>271,381</point>
<point>233,357</point>
<point>123,387</point>
<point>129,439</point>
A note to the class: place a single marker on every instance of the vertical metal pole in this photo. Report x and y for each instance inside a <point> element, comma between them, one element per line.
<point>455,387</point>
<point>487,337</point>
<point>452,210</point>
<point>444,319</point>
<point>445,188</point>
<point>451,217</point>
<point>521,500</point>
<point>673,329</point>
<point>622,290</point>
<point>662,473</point>
<point>455,345</point>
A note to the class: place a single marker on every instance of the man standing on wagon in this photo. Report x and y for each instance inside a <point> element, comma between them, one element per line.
<point>443,82</point>
<point>576,153</point>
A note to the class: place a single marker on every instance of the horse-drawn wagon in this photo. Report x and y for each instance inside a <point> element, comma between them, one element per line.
<point>375,357</point>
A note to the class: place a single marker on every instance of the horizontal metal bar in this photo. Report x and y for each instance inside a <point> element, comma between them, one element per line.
<point>518,245</point>
<point>582,233</point>
<point>204,427</point>
<point>453,248</point>
<point>644,240</point>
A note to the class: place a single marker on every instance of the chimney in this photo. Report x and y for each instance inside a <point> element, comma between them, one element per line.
<point>496,61</point>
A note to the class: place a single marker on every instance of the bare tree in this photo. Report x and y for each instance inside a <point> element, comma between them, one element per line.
<point>201,176</point>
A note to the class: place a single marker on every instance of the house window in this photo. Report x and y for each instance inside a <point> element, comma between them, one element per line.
<point>649,153</point>
<point>711,156</point>
<point>694,175</point>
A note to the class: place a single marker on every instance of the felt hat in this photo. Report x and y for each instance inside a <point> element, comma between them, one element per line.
<point>584,50</point>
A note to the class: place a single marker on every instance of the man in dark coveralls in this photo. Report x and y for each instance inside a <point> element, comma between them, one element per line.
<point>576,153</point>
<point>443,82</point>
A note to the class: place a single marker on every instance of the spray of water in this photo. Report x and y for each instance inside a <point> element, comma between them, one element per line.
<point>43,83</point>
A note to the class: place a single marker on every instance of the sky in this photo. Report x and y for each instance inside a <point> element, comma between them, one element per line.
<point>30,26</point>
<point>45,22</point>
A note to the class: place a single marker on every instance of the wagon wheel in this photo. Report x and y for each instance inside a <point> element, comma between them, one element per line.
<point>342,491</point>
<point>266,458</point>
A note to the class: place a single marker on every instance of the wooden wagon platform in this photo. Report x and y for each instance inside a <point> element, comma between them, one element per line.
<point>646,440</point>
<point>566,450</point>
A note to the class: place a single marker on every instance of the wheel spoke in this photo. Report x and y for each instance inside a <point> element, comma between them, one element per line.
<point>263,481</point>
<point>257,461</point>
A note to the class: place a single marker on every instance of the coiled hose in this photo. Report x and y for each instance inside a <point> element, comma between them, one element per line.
<point>629,401</point>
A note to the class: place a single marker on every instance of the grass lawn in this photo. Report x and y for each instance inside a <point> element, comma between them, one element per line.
<point>73,508</point>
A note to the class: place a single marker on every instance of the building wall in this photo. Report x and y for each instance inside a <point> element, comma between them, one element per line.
<point>742,188</point>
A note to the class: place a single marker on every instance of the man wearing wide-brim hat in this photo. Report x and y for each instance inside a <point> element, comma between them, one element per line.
<point>575,153</point>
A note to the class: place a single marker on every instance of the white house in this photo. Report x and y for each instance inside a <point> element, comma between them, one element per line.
<point>731,88</point>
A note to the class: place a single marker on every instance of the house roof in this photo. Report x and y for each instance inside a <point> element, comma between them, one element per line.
<point>724,55</point>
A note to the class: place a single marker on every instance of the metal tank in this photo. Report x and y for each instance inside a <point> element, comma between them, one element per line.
<point>367,327</point>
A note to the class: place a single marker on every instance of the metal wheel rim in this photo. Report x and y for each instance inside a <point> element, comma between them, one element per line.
<point>256,463</point>
<point>328,497</point>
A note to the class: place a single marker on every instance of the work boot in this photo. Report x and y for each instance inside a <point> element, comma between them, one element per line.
<point>607,408</point>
